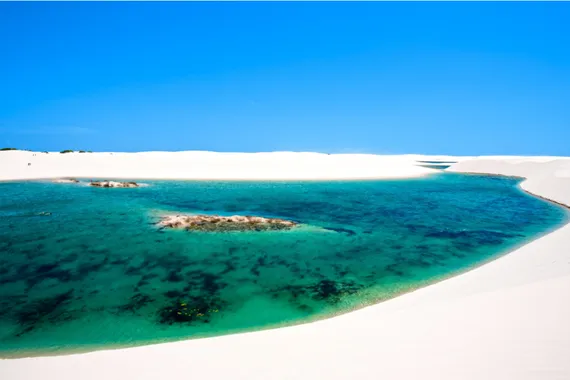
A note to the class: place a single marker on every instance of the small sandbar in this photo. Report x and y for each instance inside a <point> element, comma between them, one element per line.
<point>108,184</point>
<point>218,223</point>
<point>65,180</point>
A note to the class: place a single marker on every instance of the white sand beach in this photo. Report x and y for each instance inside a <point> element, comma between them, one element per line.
<point>18,165</point>
<point>508,319</point>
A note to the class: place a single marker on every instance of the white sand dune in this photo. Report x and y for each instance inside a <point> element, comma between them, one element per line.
<point>509,319</point>
<point>206,165</point>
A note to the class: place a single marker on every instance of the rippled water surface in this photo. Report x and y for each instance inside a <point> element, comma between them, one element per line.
<point>83,268</point>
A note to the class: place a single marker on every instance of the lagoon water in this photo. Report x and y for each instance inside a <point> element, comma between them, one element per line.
<point>85,268</point>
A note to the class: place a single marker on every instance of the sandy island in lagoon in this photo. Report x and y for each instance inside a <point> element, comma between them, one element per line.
<point>508,319</point>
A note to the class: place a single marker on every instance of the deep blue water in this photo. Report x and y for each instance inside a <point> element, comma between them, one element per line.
<point>96,272</point>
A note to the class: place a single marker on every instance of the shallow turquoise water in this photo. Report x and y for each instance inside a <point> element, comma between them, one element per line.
<point>97,272</point>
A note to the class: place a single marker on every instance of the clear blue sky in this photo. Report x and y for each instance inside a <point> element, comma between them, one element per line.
<point>441,78</point>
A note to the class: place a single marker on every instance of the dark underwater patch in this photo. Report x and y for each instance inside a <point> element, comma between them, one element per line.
<point>46,310</point>
<point>86,268</point>
<point>475,237</point>
<point>326,290</point>
<point>174,294</point>
<point>192,310</point>
<point>45,272</point>
<point>333,291</point>
<point>173,276</point>
<point>137,301</point>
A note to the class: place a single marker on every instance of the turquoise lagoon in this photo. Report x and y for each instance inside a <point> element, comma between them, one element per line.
<point>85,268</point>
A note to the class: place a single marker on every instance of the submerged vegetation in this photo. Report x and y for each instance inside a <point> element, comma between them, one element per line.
<point>196,309</point>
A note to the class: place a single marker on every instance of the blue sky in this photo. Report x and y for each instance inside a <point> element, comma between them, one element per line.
<point>434,78</point>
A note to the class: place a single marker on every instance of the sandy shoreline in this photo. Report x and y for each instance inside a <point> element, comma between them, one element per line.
<point>506,319</point>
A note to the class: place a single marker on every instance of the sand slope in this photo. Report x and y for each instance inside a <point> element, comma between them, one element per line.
<point>508,319</point>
